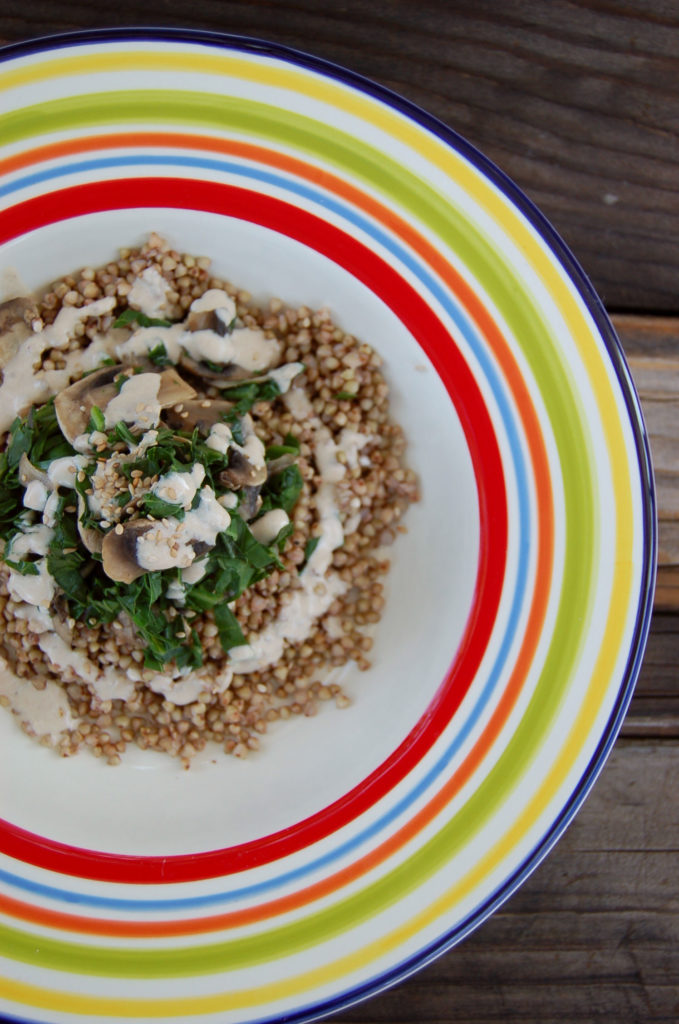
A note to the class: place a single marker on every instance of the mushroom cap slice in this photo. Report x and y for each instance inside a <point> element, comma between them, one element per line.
<point>241,473</point>
<point>119,551</point>
<point>219,320</point>
<point>73,405</point>
<point>91,538</point>
<point>226,376</point>
<point>198,413</point>
<point>174,389</point>
<point>250,503</point>
<point>28,472</point>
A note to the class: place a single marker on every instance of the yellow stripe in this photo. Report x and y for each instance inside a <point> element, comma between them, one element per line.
<point>489,199</point>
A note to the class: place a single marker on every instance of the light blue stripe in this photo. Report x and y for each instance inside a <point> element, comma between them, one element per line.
<point>476,344</point>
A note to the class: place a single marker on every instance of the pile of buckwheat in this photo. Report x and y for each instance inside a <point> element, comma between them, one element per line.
<point>376,493</point>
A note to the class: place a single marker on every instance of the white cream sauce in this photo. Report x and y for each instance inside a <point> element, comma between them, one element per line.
<point>23,386</point>
<point>180,488</point>
<point>284,375</point>
<point>252,448</point>
<point>111,684</point>
<point>45,712</point>
<point>149,293</point>
<point>35,495</point>
<point>144,339</point>
<point>195,572</point>
<point>137,402</point>
<point>169,544</point>
<point>228,500</point>
<point>214,298</point>
<point>267,528</point>
<point>351,442</point>
<point>33,540</point>
<point>62,472</point>
<point>298,404</point>
<point>49,513</point>
<point>187,689</point>
<point>37,590</point>
<point>219,438</point>
<point>319,587</point>
<point>245,347</point>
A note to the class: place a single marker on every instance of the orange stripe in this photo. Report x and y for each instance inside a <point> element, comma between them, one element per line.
<point>545,535</point>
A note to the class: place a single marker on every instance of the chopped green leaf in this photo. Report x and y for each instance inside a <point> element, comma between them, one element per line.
<point>247,395</point>
<point>131,316</point>
<point>230,633</point>
<point>290,446</point>
<point>310,547</point>
<point>282,535</point>
<point>121,432</point>
<point>24,568</point>
<point>154,506</point>
<point>237,432</point>
<point>282,490</point>
<point>21,437</point>
<point>97,420</point>
<point>158,355</point>
<point>345,396</point>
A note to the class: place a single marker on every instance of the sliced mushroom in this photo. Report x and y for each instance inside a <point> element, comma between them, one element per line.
<point>241,473</point>
<point>92,539</point>
<point>73,405</point>
<point>28,472</point>
<point>202,414</point>
<point>227,376</point>
<point>219,320</point>
<point>250,503</point>
<point>173,389</point>
<point>119,551</point>
<point>13,327</point>
<point>201,321</point>
<point>279,464</point>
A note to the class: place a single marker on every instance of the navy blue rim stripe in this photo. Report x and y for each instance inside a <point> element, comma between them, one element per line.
<point>616,354</point>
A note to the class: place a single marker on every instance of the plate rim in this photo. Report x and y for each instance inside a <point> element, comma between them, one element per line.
<point>626,388</point>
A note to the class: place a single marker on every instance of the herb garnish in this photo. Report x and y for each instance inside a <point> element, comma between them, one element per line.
<point>290,446</point>
<point>310,547</point>
<point>282,490</point>
<point>158,355</point>
<point>131,316</point>
<point>236,561</point>
<point>97,420</point>
<point>247,395</point>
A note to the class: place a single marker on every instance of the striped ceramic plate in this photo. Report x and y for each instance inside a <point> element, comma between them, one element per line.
<point>359,844</point>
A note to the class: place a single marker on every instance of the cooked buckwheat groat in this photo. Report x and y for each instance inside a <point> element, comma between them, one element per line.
<point>198,498</point>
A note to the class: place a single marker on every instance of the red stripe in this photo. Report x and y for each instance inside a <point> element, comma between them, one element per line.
<point>434,339</point>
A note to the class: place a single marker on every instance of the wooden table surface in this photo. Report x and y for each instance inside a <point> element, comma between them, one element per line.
<point>579,103</point>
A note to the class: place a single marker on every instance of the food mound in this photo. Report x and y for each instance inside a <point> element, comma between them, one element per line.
<point>196,499</point>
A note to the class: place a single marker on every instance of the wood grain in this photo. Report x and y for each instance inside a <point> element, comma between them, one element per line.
<point>652,348</point>
<point>593,935</point>
<point>576,101</point>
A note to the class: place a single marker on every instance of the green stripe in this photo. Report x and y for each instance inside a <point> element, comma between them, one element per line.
<point>567,419</point>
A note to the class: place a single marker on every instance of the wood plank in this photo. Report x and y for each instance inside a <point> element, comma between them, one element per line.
<point>576,101</point>
<point>592,935</point>
<point>652,348</point>
<point>654,710</point>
